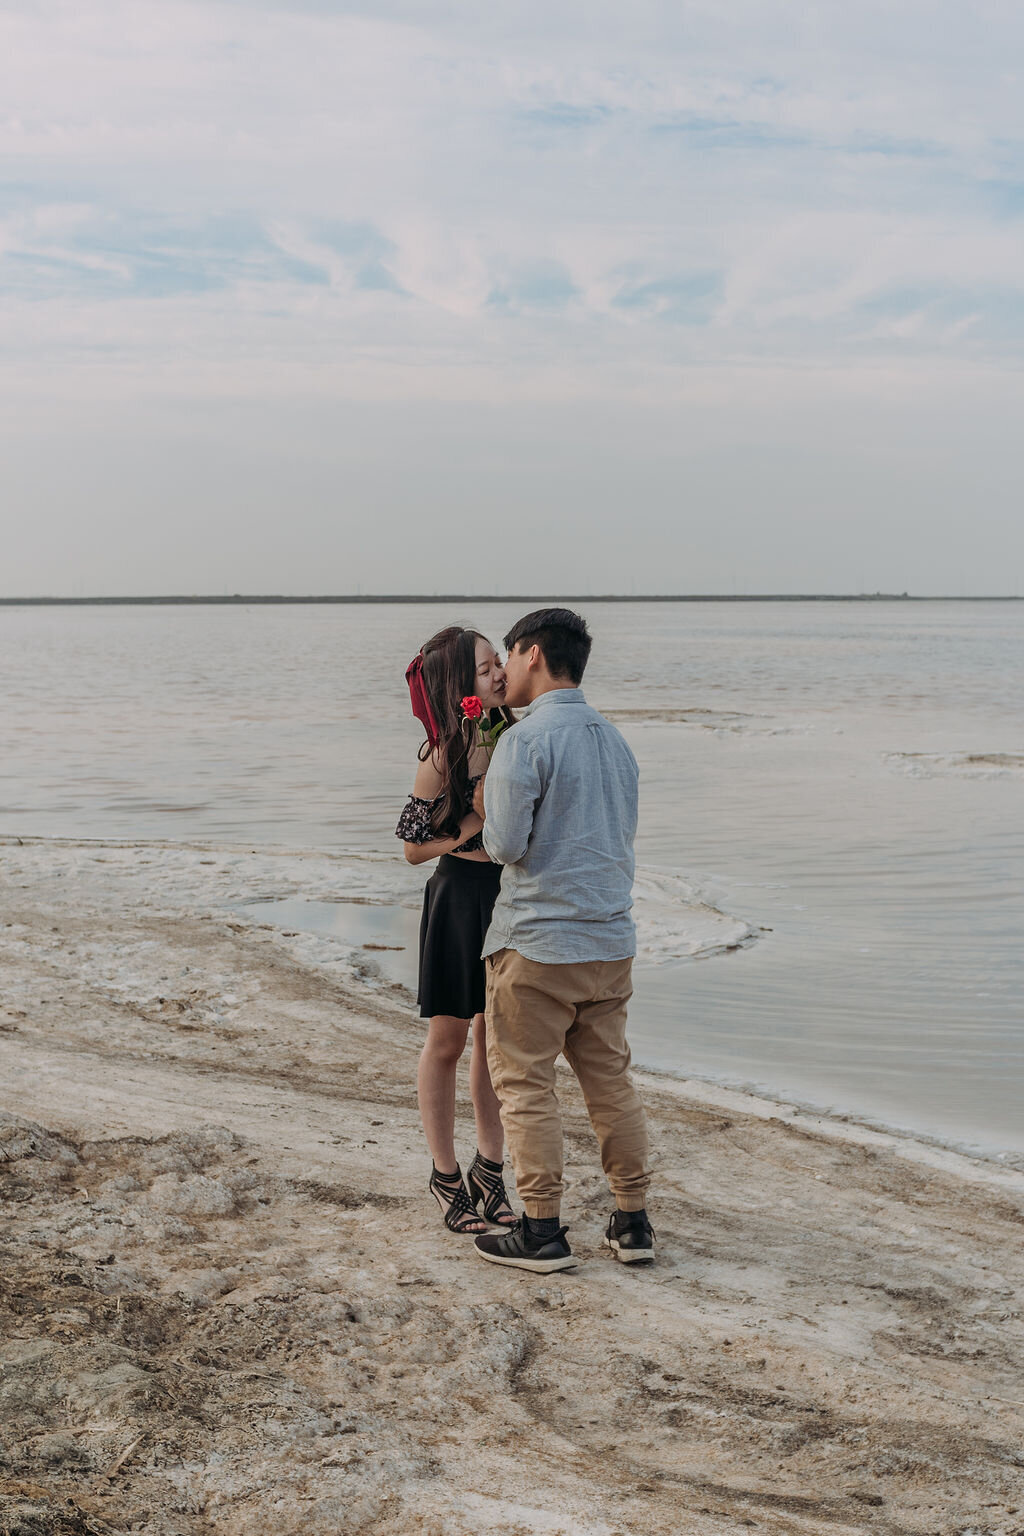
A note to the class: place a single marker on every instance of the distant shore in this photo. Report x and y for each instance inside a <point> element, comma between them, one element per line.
<point>246,599</point>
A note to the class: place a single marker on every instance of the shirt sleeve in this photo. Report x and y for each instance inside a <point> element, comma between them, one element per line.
<point>512,789</point>
<point>414,823</point>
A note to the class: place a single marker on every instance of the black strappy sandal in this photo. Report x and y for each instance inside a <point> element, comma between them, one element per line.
<point>486,1184</point>
<point>458,1210</point>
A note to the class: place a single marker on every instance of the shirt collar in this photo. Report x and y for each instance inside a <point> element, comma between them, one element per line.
<point>555,696</point>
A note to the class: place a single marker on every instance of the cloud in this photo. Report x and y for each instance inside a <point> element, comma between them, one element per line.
<point>797,173</point>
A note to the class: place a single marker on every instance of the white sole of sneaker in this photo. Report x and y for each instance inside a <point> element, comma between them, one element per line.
<point>629,1255</point>
<point>539,1266</point>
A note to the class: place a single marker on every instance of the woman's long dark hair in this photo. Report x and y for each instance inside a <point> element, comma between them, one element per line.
<point>449,676</point>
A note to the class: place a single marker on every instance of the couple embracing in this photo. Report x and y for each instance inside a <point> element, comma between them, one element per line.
<point>526,933</point>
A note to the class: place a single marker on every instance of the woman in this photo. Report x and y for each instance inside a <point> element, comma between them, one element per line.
<point>439,823</point>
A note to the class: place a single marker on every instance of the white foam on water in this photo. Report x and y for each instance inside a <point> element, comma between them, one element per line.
<point>673,922</point>
<point>961,765</point>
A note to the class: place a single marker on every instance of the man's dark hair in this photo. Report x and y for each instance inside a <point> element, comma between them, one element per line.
<point>563,638</point>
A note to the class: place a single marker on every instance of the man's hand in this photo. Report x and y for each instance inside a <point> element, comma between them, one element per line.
<point>478,800</point>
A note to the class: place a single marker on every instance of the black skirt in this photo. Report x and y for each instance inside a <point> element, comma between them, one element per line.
<point>457,905</point>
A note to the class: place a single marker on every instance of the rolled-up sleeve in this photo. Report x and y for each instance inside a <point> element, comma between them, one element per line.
<point>512,789</point>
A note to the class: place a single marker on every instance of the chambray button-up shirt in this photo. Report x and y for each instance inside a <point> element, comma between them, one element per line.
<point>561,804</point>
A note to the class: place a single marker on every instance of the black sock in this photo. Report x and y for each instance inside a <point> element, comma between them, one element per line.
<point>542,1226</point>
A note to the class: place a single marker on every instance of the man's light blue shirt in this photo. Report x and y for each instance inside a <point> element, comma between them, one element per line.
<point>561,805</point>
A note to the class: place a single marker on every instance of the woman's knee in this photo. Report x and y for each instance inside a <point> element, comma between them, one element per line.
<point>446,1039</point>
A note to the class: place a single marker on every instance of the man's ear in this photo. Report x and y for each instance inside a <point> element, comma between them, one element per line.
<point>535,658</point>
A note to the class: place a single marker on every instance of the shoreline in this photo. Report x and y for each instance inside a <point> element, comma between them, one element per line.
<point>714,1090</point>
<point>855,1130</point>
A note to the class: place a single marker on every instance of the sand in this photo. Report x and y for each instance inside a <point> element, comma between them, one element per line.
<point>227,1305</point>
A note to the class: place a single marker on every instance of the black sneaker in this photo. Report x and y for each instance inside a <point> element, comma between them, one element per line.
<point>523,1249</point>
<point>630,1236</point>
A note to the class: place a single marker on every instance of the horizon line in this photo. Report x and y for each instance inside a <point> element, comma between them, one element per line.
<point>238,598</point>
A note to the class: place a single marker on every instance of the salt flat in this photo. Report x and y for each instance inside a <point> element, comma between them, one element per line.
<point>228,1305</point>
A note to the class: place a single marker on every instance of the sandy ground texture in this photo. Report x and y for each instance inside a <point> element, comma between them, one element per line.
<point>227,1305</point>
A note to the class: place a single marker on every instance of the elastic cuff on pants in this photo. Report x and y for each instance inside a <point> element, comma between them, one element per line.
<point>631,1202</point>
<point>537,1210</point>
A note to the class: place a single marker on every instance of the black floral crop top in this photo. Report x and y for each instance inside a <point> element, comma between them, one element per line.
<point>414,824</point>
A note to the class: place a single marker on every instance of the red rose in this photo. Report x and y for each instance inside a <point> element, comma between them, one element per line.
<point>472,708</point>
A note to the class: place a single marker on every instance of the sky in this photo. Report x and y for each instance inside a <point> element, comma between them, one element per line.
<point>463,297</point>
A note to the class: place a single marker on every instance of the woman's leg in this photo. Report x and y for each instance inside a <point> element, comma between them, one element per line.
<point>445,1043</point>
<point>490,1138</point>
<point>486,1184</point>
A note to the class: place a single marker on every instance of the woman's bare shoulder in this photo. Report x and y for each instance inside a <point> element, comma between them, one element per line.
<point>429,780</point>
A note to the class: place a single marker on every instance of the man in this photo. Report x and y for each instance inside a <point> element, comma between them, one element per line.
<point>559,804</point>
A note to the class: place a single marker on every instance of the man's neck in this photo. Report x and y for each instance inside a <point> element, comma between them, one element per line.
<point>551,685</point>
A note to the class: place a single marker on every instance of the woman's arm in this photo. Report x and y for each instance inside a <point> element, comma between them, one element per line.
<point>428,785</point>
<point>420,853</point>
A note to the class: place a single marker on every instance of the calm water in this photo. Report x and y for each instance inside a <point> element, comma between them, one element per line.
<point>850,776</point>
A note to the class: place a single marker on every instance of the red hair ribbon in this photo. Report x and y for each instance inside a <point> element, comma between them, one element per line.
<point>420,702</point>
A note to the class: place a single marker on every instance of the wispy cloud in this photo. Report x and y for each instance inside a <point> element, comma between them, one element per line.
<point>765,176</point>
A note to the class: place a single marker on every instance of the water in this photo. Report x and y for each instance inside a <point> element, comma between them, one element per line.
<point>849,776</point>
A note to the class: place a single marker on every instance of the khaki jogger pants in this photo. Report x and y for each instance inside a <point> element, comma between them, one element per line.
<point>535,1013</point>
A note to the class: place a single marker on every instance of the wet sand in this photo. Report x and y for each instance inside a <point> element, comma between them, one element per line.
<point>227,1305</point>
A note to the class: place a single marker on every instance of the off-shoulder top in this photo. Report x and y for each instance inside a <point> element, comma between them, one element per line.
<point>414,823</point>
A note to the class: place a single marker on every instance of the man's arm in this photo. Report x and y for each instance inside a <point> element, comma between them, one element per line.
<point>511,791</point>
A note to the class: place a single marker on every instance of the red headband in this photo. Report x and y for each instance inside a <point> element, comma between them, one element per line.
<point>420,701</point>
